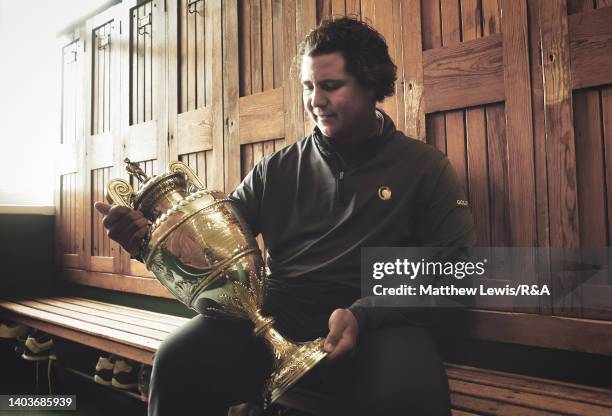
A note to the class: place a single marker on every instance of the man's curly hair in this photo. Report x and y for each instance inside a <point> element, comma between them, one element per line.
<point>364,50</point>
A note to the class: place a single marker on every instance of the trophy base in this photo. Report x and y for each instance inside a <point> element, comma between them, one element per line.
<point>291,369</point>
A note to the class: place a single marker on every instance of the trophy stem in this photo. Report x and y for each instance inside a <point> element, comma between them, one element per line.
<point>292,359</point>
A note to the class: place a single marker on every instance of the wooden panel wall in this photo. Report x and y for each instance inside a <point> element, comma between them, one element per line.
<point>141,63</point>
<point>515,92</point>
<point>149,168</point>
<point>592,124</point>
<point>101,141</point>
<point>592,109</point>
<point>100,243</point>
<point>68,214</point>
<point>262,60</point>
<point>70,92</point>
<point>268,33</point>
<point>193,75</point>
<point>68,195</point>
<point>261,69</point>
<point>196,116</point>
<point>101,79</point>
<point>260,34</point>
<point>478,153</point>
<point>201,163</point>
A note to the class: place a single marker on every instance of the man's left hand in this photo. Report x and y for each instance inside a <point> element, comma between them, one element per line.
<point>343,331</point>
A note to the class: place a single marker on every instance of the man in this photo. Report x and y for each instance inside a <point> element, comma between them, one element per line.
<point>354,182</point>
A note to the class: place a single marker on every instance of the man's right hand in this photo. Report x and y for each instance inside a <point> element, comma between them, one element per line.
<point>126,226</point>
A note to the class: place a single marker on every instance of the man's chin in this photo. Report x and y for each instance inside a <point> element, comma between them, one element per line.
<point>327,131</point>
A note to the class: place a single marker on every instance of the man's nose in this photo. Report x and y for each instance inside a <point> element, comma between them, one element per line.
<point>319,98</point>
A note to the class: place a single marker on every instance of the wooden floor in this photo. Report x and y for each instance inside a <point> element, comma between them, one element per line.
<point>136,334</point>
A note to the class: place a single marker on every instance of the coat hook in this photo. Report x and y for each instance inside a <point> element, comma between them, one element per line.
<point>192,6</point>
<point>143,23</point>
<point>104,41</point>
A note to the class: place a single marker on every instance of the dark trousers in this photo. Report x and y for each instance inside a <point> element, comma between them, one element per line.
<point>208,365</point>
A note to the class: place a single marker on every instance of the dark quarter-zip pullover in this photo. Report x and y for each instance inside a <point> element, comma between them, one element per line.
<point>316,209</point>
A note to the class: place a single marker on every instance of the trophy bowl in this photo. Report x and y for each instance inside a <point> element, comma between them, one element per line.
<point>202,250</point>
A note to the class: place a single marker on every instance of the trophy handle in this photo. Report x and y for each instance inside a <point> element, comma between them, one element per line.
<point>119,192</point>
<point>186,170</point>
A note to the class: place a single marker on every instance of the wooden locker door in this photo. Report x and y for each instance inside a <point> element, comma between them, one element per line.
<point>68,195</point>
<point>576,57</point>
<point>262,102</point>
<point>102,136</point>
<point>143,97</point>
<point>195,88</point>
<point>263,106</point>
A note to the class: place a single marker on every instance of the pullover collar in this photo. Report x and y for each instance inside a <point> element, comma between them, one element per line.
<point>361,152</point>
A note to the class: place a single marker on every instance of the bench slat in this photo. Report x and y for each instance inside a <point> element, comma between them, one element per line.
<point>455,412</point>
<point>88,318</point>
<point>540,386</point>
<point>138,341</point>
<point>145,323</point>
<point>94,341</point>
<point>129,308</point>
<point>318,405</point>
<point>528,400</point>
<point>125,310</point>
<point>490,407</point>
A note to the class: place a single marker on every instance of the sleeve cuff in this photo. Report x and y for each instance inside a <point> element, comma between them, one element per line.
<point>360,315</point>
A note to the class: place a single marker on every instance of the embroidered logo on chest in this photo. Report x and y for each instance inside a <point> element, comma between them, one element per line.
<point>384,193</point>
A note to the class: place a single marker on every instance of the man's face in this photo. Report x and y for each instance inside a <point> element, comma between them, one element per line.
<point>336,102</point>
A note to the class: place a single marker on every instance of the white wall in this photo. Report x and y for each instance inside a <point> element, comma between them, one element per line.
<point>30,94</point>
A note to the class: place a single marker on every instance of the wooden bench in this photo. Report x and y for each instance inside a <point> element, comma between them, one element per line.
<point>136,334</point>
<point>477,391</point>
<point>132,333</point>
